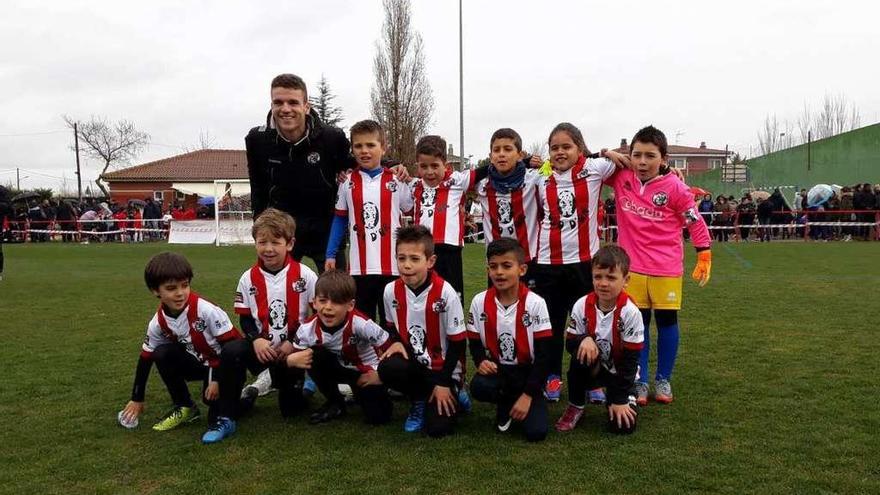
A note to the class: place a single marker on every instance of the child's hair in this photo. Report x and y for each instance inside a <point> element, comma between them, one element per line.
<point>507,133</point>
<point>505,245</point>
<point>290,81</point>
<point>432,146</point>
<point>573,132</point>
<point>417,234</point>
<point>166,267</point>
<point>611,257</point>
<point>368,127</point>
<point>276,222</point>
<point>336,285</point>
<point>651,135</point>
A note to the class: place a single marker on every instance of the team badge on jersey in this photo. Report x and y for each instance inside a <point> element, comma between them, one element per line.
<point>583,173</point>
<point>300,285</point>
<point>200,325</point>
<point>507,347</point>
<point>526,319</point>
<point>313,157</point>
<point>391,186</point>
<point>690,216</point>
<point>439,306</point>
<point>566,203</point>
<point>371,215</point>
<point>660,199</point>
<point>277,314</point>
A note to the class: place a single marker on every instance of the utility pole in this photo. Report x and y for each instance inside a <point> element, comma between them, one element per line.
<point>79,186</point>
<point>460,89</point>
<point>17,180</point>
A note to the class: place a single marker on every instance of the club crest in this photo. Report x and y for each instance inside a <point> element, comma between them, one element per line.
<point>314,157</point>
<point>300,285</point>
<point>660,199</point>
<point>439,306</point>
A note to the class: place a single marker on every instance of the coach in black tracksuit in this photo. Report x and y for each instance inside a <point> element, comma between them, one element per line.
<point>292,164</point>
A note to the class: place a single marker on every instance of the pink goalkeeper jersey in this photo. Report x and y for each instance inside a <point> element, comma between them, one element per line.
<point>650,218</point>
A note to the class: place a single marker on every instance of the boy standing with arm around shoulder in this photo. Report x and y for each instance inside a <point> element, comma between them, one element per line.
<point>509,331</point>
<point>653,206</point>
<point>605,339</point>
<point>426,312</point>
<point>184,339</point>
<point>369,206</point>
<point>340,345</point>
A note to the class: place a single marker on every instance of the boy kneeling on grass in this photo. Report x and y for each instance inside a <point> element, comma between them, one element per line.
<point>512,323</point>
<point>185,339</point>
<point>605,339</point>
<point>340,345</point>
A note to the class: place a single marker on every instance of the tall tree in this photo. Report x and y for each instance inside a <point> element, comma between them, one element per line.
<point>401,96</point>
<point>114,143</point>
<point>322,102</point>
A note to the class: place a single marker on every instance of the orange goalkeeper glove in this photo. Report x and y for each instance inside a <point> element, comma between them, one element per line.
<point>703,270</point>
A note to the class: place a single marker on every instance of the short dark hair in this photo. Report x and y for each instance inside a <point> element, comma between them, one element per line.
<point>367,127</point>
<point>432,146</point>
<point>416,234</point>
<point>165,267</point>
<point>573,132</point>
<point>651,135</point>
<point>336,285</point>
<point>276,222</point>
<point>507,133</point>
<point>610,257</point>
<point>505,245</point>
<point>290,81</point>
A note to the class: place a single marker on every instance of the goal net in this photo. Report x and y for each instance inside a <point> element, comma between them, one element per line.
<point>233,214</point>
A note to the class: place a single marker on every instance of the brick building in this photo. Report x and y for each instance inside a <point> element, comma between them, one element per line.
<point>691,160</point>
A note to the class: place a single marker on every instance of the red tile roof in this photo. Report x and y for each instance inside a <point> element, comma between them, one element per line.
<point>674,149</point>
<point>195,166</point>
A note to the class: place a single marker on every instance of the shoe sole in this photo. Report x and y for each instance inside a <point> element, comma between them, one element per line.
<point>642,402</point>
<point>663,399</point>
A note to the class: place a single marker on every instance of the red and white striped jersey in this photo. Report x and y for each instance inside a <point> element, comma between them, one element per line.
<point>570,201</point>
<point>514,214</point>
<point>509,333</point>
<point>201,327</point>
<point>613,331</point>
<point>374,206</point>
<point>441,208</point>
<point>357,345</point>
<point>427,320</point>
<point>278,303</point>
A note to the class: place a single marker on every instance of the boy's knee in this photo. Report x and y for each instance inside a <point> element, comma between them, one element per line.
<point>235,351</point>
<point>393,368</point>
<point>484,389</point>
<point>164,352</point>
<point>536,433</point>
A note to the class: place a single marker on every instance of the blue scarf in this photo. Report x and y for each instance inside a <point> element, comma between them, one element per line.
<point>505,184</point>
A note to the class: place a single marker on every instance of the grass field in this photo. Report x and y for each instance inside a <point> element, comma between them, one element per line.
<point>776,391</point>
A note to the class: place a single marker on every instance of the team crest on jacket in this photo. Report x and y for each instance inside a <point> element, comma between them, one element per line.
<point>200,325</point>
<point>660,199</point>
<point>566,203</point>
<point>506,347</point>
<point>371,215</point>
<point>526,319</point>
<point>313,157</point>
<point>391,186</point>
<point>300,285</point>
<point>439,306</point>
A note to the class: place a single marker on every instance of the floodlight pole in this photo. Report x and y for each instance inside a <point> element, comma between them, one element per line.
<point>460,90</point>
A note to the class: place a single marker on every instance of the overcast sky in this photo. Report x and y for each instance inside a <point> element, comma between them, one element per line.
<point>704,71</point>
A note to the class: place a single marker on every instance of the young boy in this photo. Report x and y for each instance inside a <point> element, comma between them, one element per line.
<point>605,340</point>
<point>340,345</point>
<point>272,298</point>
<point>653,206</point>
<point>512,323</point>
<point>439,195</point>
<point>426,312</point>
<point>508,196</point>
<point>371,201</point>
<point>184,339</point>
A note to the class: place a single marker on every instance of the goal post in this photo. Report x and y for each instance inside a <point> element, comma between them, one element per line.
<point>233,213</point>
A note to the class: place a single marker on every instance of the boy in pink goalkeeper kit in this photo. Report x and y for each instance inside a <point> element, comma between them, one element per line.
<point>652,208</point>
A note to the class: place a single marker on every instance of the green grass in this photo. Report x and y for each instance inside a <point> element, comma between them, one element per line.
<point>776,390</point>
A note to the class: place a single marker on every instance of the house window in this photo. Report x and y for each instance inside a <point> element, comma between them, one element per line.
<point>678,163</point>
<point>714,163</point>
<point>179,196</point>
<point>157,195</point>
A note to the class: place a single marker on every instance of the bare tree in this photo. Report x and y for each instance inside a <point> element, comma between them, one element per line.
<point>401,95</point>
<point>323,104</point>
<point>836,115</point>
<point>768,135</point>
<point>114,143</point>
<point>206,142</point>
